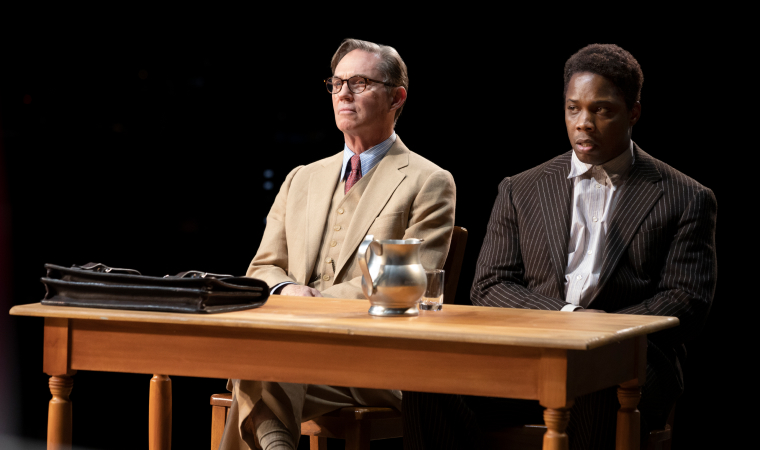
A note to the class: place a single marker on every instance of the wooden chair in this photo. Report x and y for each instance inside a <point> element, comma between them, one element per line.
<point>357,425</point>
<point>530,437</point>
<point>453,264</point>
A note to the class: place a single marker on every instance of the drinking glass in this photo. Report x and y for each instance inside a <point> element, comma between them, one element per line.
<point>432,299</point>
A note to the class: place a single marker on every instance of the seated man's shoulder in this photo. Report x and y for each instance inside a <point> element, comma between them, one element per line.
<point>421,164</point>
<point>528,178</point>
<point>303,172</point>
<point>422,169</point>
<point>673,179</point>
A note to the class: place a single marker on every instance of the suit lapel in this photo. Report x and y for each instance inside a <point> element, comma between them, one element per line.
<point>384,182</point>
<point>555,194</point>
<point>638,194</point>
<point>322,185</point>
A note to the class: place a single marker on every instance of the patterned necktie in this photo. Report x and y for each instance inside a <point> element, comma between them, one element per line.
<point>355,175</point>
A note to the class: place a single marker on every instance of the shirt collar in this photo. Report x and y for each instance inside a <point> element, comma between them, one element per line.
<point>368,158</point>
<point>615,168</point>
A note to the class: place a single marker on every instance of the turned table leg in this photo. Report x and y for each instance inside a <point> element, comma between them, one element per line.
<point>556,420</point>
<point>160,413</point>
<point>628,417</point>
<point>59,413</point>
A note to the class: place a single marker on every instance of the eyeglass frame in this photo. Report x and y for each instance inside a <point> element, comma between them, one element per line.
<point>345,81</point>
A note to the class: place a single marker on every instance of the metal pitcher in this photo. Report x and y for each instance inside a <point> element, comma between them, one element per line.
<point>393,277</point>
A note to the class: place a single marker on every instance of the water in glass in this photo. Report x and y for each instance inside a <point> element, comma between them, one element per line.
<point>431,303</point>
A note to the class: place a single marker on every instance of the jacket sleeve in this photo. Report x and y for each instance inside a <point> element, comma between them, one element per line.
<point>688,278</point>
<point>499,273</point>
<point>431,218</point>
<point>271,261</point>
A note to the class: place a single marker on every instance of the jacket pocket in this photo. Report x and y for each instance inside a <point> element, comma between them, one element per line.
<point>389,226</point>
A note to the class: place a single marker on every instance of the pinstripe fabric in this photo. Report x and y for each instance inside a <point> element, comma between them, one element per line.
<point>659,259</point>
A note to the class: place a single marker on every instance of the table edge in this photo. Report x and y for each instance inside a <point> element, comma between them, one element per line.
<point>462,337</point>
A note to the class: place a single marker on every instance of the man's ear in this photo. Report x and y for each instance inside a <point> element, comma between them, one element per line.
<point>399,98</point>
<point>635,114</point>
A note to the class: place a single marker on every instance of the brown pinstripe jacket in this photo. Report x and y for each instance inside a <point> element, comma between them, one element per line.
<point>659,257</point>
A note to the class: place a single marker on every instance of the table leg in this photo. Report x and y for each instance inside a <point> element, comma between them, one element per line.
<point>628,417</point>
<point>59,413</point>
<point>556,420</point>
<point>160,413</point>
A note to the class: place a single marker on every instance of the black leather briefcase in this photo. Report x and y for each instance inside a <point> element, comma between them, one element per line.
<point>95,285</point>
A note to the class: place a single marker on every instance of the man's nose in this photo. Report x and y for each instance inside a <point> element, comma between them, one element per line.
<point>585,122</point>
<point>345,92</point>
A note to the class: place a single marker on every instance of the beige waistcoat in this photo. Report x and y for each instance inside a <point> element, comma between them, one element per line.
<point>339,218</point>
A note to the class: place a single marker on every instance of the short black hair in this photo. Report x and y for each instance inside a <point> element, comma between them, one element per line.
<point>611,62</point>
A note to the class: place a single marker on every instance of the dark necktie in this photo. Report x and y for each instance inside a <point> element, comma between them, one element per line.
<point>355,175</point>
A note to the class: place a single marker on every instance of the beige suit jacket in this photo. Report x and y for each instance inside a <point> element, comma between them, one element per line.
<point>407,197</point>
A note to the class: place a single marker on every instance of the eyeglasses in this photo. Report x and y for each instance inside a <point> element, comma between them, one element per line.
<point>356,84</point>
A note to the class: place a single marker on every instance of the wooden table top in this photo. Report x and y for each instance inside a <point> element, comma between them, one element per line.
<point>454,323</point>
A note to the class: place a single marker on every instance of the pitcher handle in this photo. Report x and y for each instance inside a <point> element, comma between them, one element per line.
<point>369,243</point>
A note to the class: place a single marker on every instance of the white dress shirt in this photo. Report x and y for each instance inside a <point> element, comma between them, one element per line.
<point>595,192</point>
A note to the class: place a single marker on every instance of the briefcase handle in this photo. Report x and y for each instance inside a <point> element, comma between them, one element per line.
<point>198,274</point>
<point>98,267</point>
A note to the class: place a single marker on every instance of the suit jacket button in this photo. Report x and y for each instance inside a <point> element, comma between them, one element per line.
<point>333,244</point>
<point>340,210</point>
<point>326,277</point>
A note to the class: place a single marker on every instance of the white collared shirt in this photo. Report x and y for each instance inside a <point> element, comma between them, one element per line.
<point>595,192</point>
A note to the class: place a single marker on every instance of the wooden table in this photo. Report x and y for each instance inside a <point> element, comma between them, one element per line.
<point>549,356</point>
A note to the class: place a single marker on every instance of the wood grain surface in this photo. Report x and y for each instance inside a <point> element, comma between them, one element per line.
<point>549,356</point>
<point>455,323</point>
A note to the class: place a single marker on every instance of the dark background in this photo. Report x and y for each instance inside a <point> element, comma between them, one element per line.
<point>151,150</point>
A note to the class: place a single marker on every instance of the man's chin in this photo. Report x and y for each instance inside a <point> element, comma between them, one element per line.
<point>349,127</point>
<point>588,157</point>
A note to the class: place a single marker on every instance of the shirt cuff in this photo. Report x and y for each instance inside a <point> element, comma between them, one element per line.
<point>278,287</point>
<point>570,307</point>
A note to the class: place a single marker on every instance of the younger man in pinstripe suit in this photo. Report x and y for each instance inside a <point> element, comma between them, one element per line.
<point>603,228</point>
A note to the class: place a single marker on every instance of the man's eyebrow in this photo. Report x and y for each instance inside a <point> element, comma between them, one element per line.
<point>354,75</point>
<point>595,102</point>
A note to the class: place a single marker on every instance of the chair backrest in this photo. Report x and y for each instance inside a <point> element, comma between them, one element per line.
<point>453,264</point>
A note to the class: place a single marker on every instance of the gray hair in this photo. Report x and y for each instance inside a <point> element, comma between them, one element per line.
<point>391,66</point>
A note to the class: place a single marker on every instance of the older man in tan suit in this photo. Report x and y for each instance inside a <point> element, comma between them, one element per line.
<point>377,186</point>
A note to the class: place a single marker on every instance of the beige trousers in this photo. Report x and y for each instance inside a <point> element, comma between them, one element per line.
<point>293,403</point>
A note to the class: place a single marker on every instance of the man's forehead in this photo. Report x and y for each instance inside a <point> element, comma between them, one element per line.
<point>358,62</point>
<point>592,86</point>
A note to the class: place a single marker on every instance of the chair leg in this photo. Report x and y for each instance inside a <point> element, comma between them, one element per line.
<point>218,420</point>
<point>358,436</point>
<point>317,443</point>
